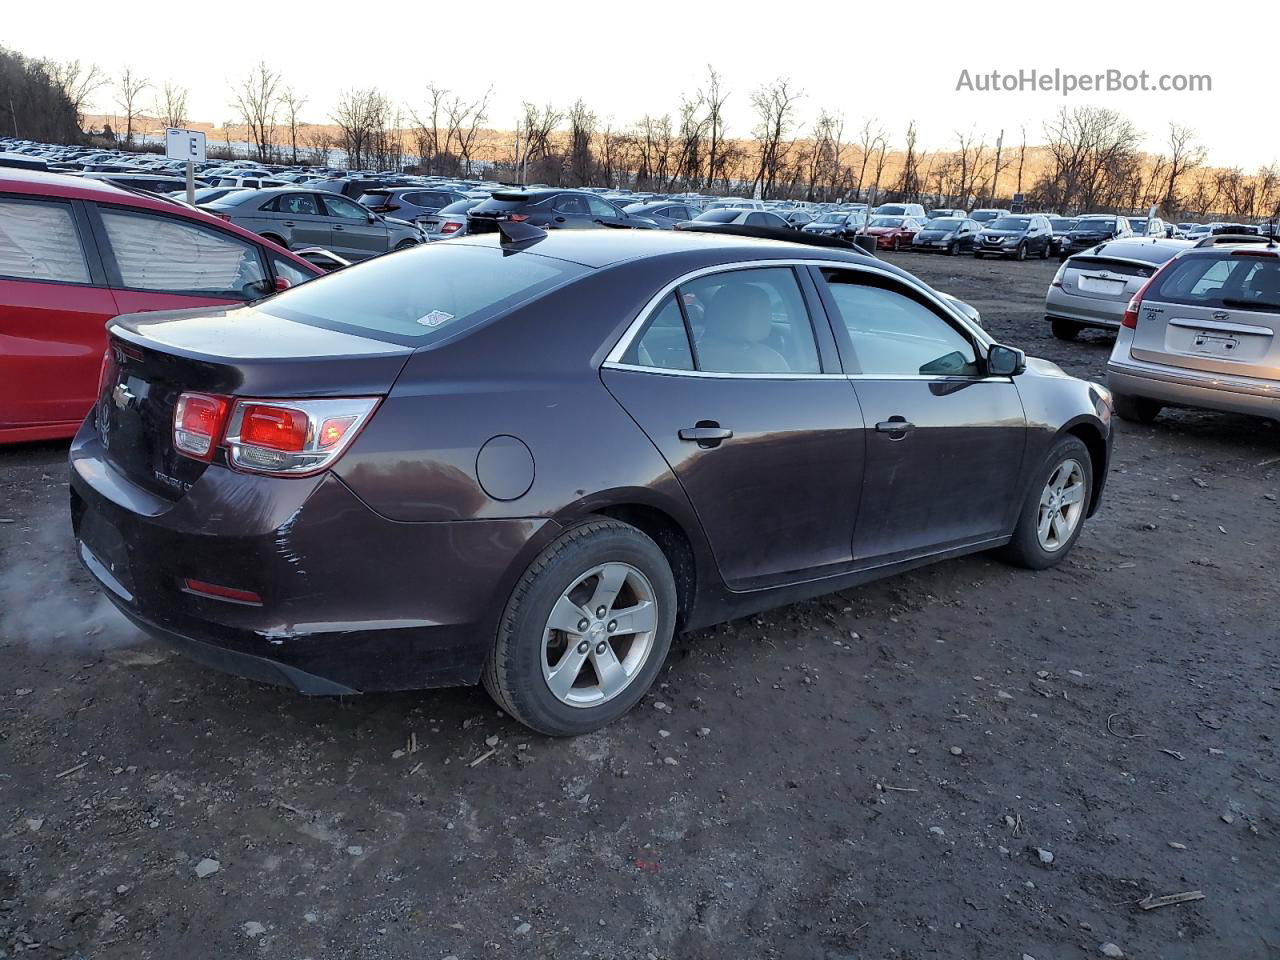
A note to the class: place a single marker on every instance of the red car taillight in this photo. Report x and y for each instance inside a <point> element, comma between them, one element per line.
<point>198,420</point>
<point>1130,318</point>
<point>518,217</point>
<point>451,227</point>
<point>278,437</point>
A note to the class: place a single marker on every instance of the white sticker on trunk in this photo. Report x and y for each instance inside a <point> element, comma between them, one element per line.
<point>435,318</point>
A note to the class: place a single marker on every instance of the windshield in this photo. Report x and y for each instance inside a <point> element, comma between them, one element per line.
<point>886,221</point>
<point>1094,224</point>
<point>832,218</point>
<point>892,208</point>
<point>1011,223</point>
<point>719,215</point>
<point>945,223</point>
<point>429,293</point>
<point>1060,223</point>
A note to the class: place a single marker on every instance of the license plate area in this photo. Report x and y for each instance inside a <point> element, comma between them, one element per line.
<point>1215,344</point>
<point>105,553</point>
<point>1104,285</point>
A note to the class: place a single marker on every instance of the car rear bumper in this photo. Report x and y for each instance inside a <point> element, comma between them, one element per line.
<point>350,601</point>
<point>1190,388</point>
<point>1086,311</point>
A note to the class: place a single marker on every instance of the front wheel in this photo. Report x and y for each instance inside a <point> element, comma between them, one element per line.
<point>953,248</point>
<point>586,630</point>
<point>1021,253</point>
<point>1044,252</point>
<point>1054,510</point>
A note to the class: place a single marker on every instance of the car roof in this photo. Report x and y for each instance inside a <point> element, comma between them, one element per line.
<point>604,248</point>
<point>1118,248</point>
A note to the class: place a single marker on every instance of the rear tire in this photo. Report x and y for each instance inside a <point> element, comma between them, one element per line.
<point>1136,409</point>
<point>560,586</point>
<point>1044,253</point>
<point>1061,488</point>
<point>1064,329</point>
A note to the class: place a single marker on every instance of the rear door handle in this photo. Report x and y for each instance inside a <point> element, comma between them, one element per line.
<point>706,435</point>
<point>897,427</point>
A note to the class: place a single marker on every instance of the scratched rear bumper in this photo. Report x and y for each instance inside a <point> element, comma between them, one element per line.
<point>351,601</point>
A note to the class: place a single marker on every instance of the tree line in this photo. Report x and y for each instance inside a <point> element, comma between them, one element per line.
<point>1084,158</point>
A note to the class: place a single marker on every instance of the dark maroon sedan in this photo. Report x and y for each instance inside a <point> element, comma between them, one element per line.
<point>530,462</point>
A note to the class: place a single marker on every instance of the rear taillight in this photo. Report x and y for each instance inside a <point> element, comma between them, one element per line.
<point>1255,253</point>
<point>104,371</point>
<point>198,420</point>
<point>294,437</point>
<point>1057,277</point>
<point>1130,318</point>
<point>281,437</point>
<point>220,216</point>
<point>216,591</point>
<point>518,217</point>
<point>451,227</point>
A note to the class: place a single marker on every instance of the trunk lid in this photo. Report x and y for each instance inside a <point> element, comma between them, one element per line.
<point>1216,313</point>
<point>152,358</point>
<point>1105,278</point>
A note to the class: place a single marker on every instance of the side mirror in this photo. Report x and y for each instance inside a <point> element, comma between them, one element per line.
<point>1005,361</point>
<point>282,284</point>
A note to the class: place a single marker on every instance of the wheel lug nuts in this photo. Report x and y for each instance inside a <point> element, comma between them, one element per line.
<point>583,624</point>
<point>600,612</point>
<point>613,625</point>
<point>600,648</point>
<point>583,647</point>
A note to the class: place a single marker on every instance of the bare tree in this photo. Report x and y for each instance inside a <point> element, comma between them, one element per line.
<point>129,90</point>
<point>909,182</point>
<point>1185,155</point>
<point>654,144</point>
<point>292,103</point>
<point>1022,156</point>
<point>319,146</point>
<point>775,106</point>
<point>465,120</point>
<point>714,97</point>
<point>368,134</point>
<point>257,99</point>
<point>171,105</point>
<point>581,160</point>
<point>870,138</point>
<point>1093,151</point>
<point>537,124</point>
<point>77,81</point>
<point>426,129</point>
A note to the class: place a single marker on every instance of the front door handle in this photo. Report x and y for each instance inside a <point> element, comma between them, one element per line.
<point>706,434</point>
<point>896,427</point>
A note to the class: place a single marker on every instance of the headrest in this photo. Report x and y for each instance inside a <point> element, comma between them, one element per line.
<point>739,311</point>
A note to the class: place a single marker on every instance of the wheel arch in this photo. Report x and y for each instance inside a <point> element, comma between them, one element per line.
<point>1092,436</point>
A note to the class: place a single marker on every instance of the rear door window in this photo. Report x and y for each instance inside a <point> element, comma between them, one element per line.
<point>345,209</point>
<point>39,241</point>
<point>665,342</point>
<point>167,254</point>
<point>750,321</point>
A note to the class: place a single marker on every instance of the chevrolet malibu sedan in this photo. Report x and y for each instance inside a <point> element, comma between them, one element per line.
<point>528,458</point>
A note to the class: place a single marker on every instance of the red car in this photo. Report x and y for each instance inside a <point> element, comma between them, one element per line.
<point>73,254</point>
<point>893,233</point>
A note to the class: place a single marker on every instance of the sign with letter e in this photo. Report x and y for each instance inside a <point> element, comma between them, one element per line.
<point>184,144</point>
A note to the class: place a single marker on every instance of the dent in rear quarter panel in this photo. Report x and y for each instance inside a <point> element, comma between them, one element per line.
<point>1056,405</point>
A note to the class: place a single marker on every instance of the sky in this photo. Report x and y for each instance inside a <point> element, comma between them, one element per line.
<point>896,62</point>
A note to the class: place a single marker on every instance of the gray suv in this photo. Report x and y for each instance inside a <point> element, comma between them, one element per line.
<point>1203,332</point>
<point>297,217</point>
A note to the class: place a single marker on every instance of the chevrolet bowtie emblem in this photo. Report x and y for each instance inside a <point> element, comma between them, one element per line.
<point>121,396</point>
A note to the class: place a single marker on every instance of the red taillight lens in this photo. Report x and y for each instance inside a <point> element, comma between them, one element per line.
<point>450,227</point>
<point>1130,318</point>
<point>276,428</point>
<point>333,430</point>
<point>220,216</point>
<point>198,421</point>
<point>519,217</point>
<point>104,371</point>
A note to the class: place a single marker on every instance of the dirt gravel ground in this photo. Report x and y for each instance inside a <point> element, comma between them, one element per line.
<point>869,775</point>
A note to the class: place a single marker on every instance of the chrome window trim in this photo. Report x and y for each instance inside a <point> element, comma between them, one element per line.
<point>673,372</point>
<point>614,357</point>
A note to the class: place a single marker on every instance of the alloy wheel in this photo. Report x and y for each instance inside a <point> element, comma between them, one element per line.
<point>599,635</point>
<point>1061,505</point>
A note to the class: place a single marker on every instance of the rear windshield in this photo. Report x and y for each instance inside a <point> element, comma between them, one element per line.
<point>719,215</point>
<point>1227,281</point>
<point>458,206</point>
<point>429,293</point>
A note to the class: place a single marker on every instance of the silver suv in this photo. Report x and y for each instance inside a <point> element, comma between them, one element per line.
<point>296,217</point>
<point>1204,332</point>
